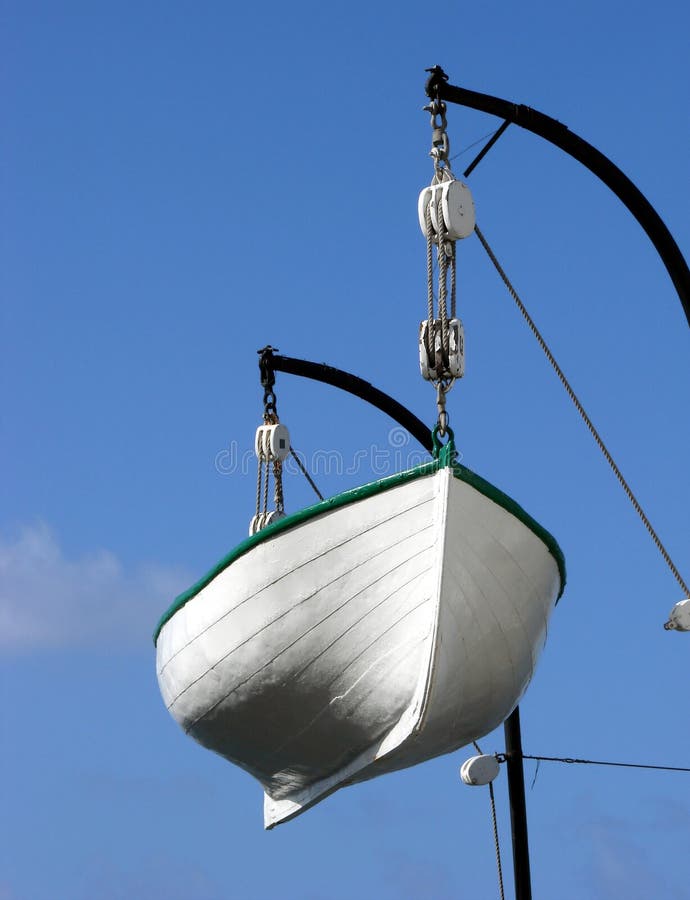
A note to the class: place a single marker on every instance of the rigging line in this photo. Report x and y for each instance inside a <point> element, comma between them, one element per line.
<point>494,824</point>
<point>259,482</point>
<point>265,501</point>
<point>496,841</point>
<point>306,474</point>
<point>588,422</point>
<point>599,762</point>
<point>474,144</point>
<point>482,153</point>
<point>536,772</point>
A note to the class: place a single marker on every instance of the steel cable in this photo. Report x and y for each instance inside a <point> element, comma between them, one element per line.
<point>588,422</point>
<point>599,762</point>
<point>306,474</point>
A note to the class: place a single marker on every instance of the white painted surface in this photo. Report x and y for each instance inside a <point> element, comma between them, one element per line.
<point>370,638</point>
<point>679,618</point>
<point>479,770</point>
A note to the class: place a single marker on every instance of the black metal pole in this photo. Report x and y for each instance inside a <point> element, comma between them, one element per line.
<point>560,135</point>
<point>518,807</point>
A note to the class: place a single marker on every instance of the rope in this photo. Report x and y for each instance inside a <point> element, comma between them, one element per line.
<point>306,474</point>
<point>429,266</point>
<point>496,841</point>
<point>588,422</point>
<point>494,824</point>
<point>453,279</point>
<point>442,280</point>
<point>599,762</point>
<point>259,480</point>
<point>473,144</point>
<point>429,285</point>
<point>265,509</point>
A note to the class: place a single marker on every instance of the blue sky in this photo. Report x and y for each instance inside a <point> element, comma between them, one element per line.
<point>184,183</point>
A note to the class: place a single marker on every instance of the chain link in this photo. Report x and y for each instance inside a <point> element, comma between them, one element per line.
<point>440,145</point>
<point>278,482</point>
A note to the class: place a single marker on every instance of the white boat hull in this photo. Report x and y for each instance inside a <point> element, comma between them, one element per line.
<point>368,636</point>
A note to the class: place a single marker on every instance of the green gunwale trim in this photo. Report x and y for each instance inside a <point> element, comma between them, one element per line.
<point>445,459</point>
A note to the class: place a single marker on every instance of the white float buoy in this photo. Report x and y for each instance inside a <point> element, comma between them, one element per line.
<point>479,769</point>
<point>679,618</point>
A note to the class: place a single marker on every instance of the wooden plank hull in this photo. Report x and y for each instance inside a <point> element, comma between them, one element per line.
<point>364,639</point>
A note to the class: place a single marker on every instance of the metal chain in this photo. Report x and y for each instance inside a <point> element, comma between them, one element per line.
<point>588,422</point>
<point>268,380</point>
<point>278,483</point>
<point>270,409</point>
<point>440,145</point>
<point>441,391</point>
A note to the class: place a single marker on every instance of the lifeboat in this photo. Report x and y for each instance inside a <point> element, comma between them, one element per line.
<point>372,631</point>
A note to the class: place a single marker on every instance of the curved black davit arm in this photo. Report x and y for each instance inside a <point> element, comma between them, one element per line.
<point>270,363</point>
<point>555,132</point>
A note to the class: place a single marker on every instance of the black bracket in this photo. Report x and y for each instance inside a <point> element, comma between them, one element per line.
<point>270,363</point>
<point>556,133</point>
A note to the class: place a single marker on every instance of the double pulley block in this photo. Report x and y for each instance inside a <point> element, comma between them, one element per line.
<point>272,447</point>
<point>446,215</point>
<point>450,203</point>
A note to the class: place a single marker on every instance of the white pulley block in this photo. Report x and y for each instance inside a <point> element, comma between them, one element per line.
<point>456,349</point>
<point>422,203</point>
<point>272,442</point>
<point>679,618</point>
<point>457,209</point>
<point>261,520</point>
<point>479,770</point>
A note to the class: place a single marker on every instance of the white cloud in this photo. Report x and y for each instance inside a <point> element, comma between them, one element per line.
<point>47,600</point>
